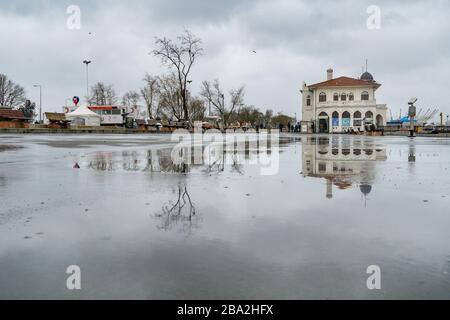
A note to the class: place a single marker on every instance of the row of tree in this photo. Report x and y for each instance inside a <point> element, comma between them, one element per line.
<point>167,96</point>
<point>161,98</point>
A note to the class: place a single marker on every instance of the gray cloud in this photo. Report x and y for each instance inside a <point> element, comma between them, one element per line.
<point>294,40</point>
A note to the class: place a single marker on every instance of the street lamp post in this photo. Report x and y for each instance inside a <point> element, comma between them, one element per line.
<point>40,101</point>
<point>87,62</point>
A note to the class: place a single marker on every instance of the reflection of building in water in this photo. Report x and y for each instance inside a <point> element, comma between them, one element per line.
<point>342,161</point>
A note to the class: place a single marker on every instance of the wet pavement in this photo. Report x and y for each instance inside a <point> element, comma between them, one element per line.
<point>141,227</point>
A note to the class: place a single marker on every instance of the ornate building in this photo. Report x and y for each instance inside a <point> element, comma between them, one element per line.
<point>341,104</point>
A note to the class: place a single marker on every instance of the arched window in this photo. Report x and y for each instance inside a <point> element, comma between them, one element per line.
<point>336,97</point>
<point>343,97</point>
<point>365,96</point>
<point>346,119</point>
<point>369,115</point>
<point>335,117</point>
<point>380,121</point>
<point>322,97</point>
<point>346,152</point>
<point>351,97</point>
<point>357,119</point>
<point>308,101</point>
<point>323,114</point>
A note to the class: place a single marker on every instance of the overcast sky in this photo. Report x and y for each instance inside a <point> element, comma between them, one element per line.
<point>294,40</point>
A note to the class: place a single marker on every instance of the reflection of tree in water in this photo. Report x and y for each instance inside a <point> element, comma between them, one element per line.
<point>2,181</point>
<point>102,162</point>
<point>179,213</point>
<point>161,161</point>
<point>236,165</point>
<point>130,161</point>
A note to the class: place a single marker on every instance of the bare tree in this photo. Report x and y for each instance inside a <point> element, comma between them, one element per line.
<point>12,95</point>
<point>131,99</point>
<point>180,56</point>
<point>170,101</point>
<point>102,94</point>
<point>213,93</point>
<point>150,94</point>
<point>197,109</point>
<point>182,213</point>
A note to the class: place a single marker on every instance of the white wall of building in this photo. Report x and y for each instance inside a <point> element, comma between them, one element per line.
<point>312,113</point>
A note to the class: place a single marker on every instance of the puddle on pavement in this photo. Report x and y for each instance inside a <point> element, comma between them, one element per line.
<point>142,227</point>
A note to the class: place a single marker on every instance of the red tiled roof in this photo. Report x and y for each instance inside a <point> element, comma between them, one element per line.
<point>344,82</point>
<point>6,113</point>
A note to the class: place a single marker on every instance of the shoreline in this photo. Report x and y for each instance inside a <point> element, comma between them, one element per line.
<point>31,131</point>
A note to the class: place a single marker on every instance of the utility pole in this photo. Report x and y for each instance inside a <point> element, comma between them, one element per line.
<point>87,62</point>
<point>40,101</point>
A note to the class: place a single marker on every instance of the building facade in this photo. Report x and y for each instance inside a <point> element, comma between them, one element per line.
<point>341,104</point>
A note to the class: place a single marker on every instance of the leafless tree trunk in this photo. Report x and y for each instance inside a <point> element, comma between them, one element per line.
<point>181,57</point>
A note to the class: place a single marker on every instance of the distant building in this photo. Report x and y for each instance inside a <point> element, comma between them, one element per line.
<point>10,118</point>
<point>340,104</point>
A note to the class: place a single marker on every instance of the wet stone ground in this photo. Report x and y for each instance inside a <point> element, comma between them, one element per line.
<point>141,227</point>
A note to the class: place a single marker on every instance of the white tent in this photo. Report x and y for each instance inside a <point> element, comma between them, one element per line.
<point>84,117</point>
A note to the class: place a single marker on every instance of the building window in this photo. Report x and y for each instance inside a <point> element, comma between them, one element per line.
<point>351,97</point>
<point>322,97</point>
<point>335,119</point>
<point>308,101</point>
<point>357,119</point>
<point>322,167</point>
<point>336,97</point>
<point>369,115</point>
<point>365,96</point>
<point>380,121</point>
<point>343,97</point>
<point>346,119</point>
